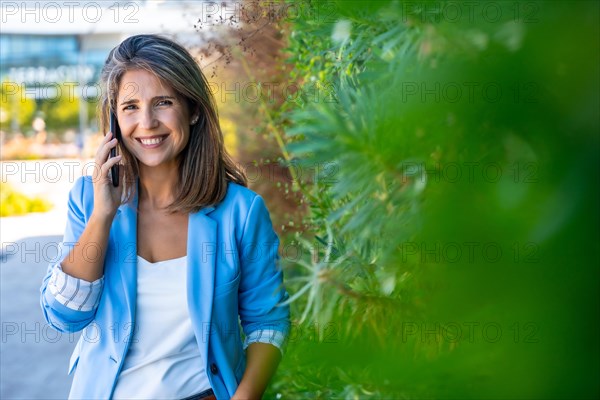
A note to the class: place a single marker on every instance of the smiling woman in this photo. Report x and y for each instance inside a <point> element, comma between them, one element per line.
<point>175,267</point>
<point>154,122</point>
<point>151,81</point>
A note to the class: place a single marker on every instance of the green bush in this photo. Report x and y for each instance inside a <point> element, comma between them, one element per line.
<point>14,203</point>
<point>14,102</point>
<point>453,250</point>
<point>59,113</point>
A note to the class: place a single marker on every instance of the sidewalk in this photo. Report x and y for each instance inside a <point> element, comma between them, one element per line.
<point>34,358</point>
<point>49,179</point>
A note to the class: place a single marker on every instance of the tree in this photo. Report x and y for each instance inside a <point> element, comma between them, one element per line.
<point>453,242</point>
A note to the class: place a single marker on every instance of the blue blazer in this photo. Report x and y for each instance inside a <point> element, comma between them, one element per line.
<point>233,278</point>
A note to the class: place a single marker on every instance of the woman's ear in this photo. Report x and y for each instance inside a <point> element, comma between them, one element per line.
<point>195,115</point>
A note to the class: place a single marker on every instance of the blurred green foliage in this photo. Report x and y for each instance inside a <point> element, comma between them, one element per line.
<point>14,203</point>
<point>454,208</point>
<point>13,102</point>
<point>60,112</point>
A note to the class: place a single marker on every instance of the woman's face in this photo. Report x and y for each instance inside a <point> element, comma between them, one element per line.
<point>154,121</point>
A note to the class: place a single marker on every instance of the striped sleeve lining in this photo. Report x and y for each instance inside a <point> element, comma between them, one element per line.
<point>76,294</point>
<point>271,336</point>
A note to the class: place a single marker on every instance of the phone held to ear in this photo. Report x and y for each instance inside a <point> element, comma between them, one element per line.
<point>116,131</point>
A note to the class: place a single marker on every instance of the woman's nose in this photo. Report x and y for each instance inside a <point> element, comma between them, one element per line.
<point>148,119</point>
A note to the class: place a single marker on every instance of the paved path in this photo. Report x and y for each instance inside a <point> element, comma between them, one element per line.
<point>33,357</point>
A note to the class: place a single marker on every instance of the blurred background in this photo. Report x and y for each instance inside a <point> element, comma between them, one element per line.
<point>430,167</point>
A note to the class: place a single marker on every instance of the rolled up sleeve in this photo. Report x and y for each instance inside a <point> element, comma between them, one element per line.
<point>64,299</point>
<point>261,293</point>
<point>276,338</point>
<point>75,293</point>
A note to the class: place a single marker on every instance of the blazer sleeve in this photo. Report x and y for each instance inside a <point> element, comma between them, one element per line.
<point>261,287</point>
<point>57,314</point>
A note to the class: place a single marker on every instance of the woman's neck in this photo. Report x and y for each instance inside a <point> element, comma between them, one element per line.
<point>158,186</point>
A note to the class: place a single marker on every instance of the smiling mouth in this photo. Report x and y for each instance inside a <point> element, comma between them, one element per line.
<point>152,140</point>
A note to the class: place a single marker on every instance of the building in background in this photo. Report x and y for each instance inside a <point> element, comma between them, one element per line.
<point>51,49</point>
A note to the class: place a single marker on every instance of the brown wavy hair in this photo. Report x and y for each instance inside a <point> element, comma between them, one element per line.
<point>205,167</point>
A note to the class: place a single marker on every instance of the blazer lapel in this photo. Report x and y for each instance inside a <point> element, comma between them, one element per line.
<point>127,250</point>
<point>202,252</point>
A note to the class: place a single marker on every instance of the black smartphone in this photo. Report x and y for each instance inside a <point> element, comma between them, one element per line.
<point>114,128</point>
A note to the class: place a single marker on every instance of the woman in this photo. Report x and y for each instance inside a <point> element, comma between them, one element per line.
<point>159,271</point>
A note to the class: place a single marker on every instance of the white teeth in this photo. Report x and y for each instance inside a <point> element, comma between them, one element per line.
<point>151,141</point>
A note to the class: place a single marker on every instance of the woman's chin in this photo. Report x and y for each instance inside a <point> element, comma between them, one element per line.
<point>155,162</point>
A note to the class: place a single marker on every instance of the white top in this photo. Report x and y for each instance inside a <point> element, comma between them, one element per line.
<point>163,360</point>
<point>82,295</point>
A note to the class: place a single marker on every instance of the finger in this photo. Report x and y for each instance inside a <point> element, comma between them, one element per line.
<point>104,150</point>
<point>105,139</point>
<point>105,169</point>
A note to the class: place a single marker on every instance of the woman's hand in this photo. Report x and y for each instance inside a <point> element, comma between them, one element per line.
<point>107,197</point>
<point>97,228</point>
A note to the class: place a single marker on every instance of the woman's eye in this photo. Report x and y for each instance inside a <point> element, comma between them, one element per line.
<point>165,103</point>
<point>129,107</point>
